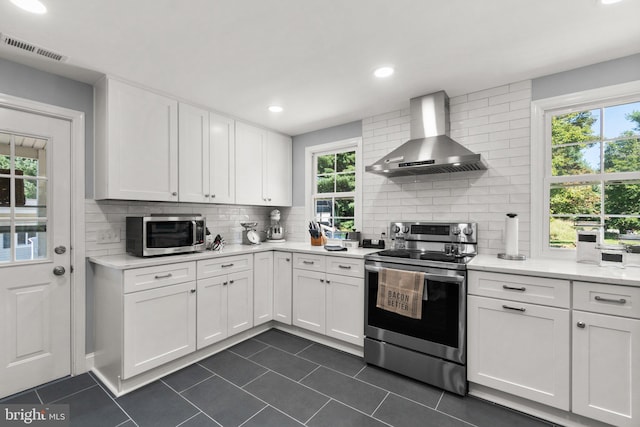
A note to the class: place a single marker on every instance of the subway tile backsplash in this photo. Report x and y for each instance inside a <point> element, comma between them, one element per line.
<point>493,122</point>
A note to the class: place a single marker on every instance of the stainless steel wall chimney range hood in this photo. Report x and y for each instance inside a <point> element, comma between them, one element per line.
<point>429,150</point>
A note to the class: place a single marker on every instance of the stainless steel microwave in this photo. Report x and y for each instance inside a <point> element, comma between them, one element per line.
<point>164,234</point>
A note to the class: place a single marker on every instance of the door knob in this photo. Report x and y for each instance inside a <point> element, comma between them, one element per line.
<point>59,270</point>
<point>581,324</point>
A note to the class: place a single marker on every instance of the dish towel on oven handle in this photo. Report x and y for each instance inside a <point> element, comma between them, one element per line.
<point>401,292</point>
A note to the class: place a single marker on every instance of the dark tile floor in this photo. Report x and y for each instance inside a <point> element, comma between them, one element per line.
<point>275,379</point>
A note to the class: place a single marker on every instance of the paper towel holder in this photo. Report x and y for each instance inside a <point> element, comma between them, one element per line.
<point>518,257</point>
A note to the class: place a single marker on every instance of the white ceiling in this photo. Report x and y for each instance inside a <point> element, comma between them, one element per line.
<point>316,57</point>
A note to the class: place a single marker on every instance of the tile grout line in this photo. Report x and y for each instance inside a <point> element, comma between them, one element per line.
<point>253,416</point>
<point>312,371</point>
<point>70,394</point>
<point>38,396</point>
<point>190,418</point>
<point>381,402</point>
<point>439,400</point>
<point>309,346</point>
<point>116,403</point>
<point>125,421</point>
<point>316,413</point>
<point>360,371</point>
<point>213,374</point>
<point>190,403</point>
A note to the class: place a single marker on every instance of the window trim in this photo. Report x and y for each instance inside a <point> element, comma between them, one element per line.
<point>541,149</point>
<point>310,152</point>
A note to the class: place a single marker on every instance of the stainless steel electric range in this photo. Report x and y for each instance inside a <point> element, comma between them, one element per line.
<point>431,349</point>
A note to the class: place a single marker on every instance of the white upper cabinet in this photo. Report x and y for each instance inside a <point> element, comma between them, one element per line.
<point>222,152</point>
<point>136,145</point>
<point>263,167</point>
<point>207,152</point>
<point>278,188</point>
<point>193,137</point>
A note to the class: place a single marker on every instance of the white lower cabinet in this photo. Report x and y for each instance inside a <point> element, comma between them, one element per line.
<point>160,326</point>
<point>328,304</point>
<point>282,279</point>
<point>225,300</point>
<point>262,287</point>
<point>519,348</point>
<point>578,352</point>
<point>606,353</point>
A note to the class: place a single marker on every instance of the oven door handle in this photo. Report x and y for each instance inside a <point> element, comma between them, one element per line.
<point>427,276</point>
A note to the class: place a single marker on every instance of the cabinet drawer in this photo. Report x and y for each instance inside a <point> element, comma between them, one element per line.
<point>537,290</point>
<point>607,299</point>
<point>345,266</point>
<point>231,264</point>
<point>140,279</point>
<point>309,262</point>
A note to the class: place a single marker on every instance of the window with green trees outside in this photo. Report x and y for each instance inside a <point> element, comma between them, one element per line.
<point>595,172</point>
<point>334,192</point>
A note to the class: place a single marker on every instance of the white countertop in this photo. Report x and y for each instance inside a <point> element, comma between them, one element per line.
<point>560,269</point>
<point>126,261</point>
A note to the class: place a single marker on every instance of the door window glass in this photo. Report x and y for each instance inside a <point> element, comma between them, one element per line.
<point>23,198</point>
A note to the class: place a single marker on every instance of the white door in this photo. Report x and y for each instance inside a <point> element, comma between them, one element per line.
<point>35,230</point>
<point>211,310</point>
<point>309,300</point>
<point>345,320</point>
<point>193,154</point>
<point>262,288</point>
<point>519,348</point>
<point>279,169</point>
<point>239,302</point>
<point>282,287</point>
<point>606,368</point>
<point>222,159</point>
<point>250,162</point>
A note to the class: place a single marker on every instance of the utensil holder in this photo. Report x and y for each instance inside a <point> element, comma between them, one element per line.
<point>317,241</point>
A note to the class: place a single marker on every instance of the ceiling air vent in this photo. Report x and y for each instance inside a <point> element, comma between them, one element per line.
<point>28,47</point>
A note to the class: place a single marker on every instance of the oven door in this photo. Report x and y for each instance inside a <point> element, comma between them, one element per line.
<point>440,332</point>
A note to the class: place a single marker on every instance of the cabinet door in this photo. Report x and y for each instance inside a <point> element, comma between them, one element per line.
<point>212,310</point>
<point>519,348</point>
<point>222,159</point>
<point>262,288</point>
<point>345,308</point>
<point>250,162</point>
<point>309,300</point>
<point>239,302</point>
<point>606,368</point>
<point>142,145</point>
<point>282,287</point>
<point>278,177</point>
<point>159,326</point>
<point>193,140</point>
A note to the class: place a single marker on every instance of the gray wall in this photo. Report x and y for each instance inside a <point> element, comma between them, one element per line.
<point>26,82</point>
<point>323,136</point>
<point>616,71</point>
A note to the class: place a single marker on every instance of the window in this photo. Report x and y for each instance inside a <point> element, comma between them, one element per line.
<point>334,186</point>
<point>590,168</point>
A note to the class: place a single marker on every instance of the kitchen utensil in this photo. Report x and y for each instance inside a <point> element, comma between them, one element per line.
<point>249,235</point>
<point>275,232</point>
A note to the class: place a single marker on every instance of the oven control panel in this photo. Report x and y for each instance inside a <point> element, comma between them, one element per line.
<point>434,231</point>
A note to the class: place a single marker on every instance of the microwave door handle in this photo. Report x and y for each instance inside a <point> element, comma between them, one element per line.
<point>195,232</point>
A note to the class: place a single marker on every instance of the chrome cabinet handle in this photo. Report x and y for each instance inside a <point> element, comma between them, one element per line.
<point>345,267</point>
<point>213,196</point>
<point>224,283</point>
<point>514,288</point>
<point>230,281</point>
<point>522,309</point>
<point>193,291</point>
<point>287,259</point>
<point>308,262</point>
<point>581,325</point>
<point>321,280</point>
<point>328,281</point>
<point>206,195</point>
<point>617,301</point>
<point>175,193</point>
<point>166,276</point>
<point>227,265</point>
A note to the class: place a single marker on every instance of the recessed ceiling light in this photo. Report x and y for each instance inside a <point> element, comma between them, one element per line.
<point>383,72</point>
<point>275,109</point>
<point>609,1</point>
<point>33,6</point>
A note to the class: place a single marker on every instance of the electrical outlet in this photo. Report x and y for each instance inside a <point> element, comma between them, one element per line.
<point>110,235</point>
